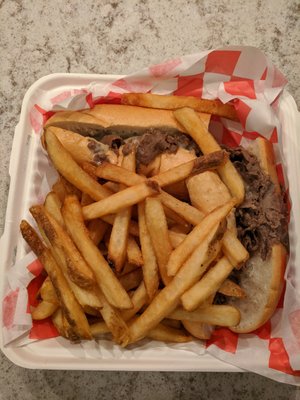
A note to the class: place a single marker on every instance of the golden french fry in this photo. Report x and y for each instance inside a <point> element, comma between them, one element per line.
<point>214,315</point>
<point>150,268</point>
<point>70,170</point>
<point>207,143</point>
<point>189,213</point>
<point>182,209</point>
<point>207,191</point>
<point>138,299</point>
<point>168,298</point>
<point>176,238</point>
<point>118,201</point>
<point>198,329</point>
<point>70,188</point>
<point>86,298</point>
<point>118,243</point>
<point>195,166</point>
<point>132,279</point>
<point>234,250</point>
<point>133,226</point>
<point>182,252</point>
<point>229,288</point>
<point>208,285</point>
<point>174,102</point>
<point>107,281</point>
<point>231,222</point>
<point>97,229</point>
<point>158,230</point>
<point>57,321</point>
<point>53,206</point>
<point>134,254</point>
<point>68,302</point>
<point>165,333</point>
<point>47,292</point>
<point>43,310</point>
<point>78,271</point>
<point>59,189</point>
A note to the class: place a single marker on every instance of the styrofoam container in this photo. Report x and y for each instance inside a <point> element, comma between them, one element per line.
<point>27,160</point>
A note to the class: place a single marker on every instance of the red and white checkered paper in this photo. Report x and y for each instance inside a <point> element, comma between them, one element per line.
<point>245,77</point>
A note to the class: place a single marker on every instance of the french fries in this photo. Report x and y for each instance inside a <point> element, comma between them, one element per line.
<point>43,310</point>
<point>71,308</point>
<point>168,298</point>
<point>213,315</point>
<point>158,230</point>
<point>70,170</point>
<point>198,131</point>
<point>53,205</point>
<point>134,254</point>
<point>150,268</point>
<point>117,248</point>
<point>183,251</point>
<point>234,250</point>
<point>107,281</point>
<point>229,288</point>
<point>121,200</point>
<point>175,102</point>
<point>79,271</point>
<point>208,285</point>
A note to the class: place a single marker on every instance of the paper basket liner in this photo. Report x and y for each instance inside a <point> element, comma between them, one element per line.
<point>231,75</point>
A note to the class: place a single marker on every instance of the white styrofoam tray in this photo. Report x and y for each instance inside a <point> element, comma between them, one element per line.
<point>24,166</point>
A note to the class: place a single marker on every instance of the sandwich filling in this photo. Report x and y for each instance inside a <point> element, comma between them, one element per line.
<point>262,217</point>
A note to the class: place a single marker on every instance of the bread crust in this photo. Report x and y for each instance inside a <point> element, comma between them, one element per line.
<point>125,117</point>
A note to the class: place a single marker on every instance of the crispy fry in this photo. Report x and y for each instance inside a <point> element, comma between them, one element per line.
<point>118,243</point>
<point>182,209</point>
<point>138,299</point>
<point>53,206</point>
<point>198,131</point>
<point>59,189</point>
<point>67,300</point>
<point>158,230</point>
<point>182,252</point>
<point>121,200</point>
<point>133,226</point>
<point>78,271</point>
<point>234,250</point>
<point>107,281</point>
<point>174,102</point>
<point>198,329</point>
<point>97,229</point>
<point>43,310</point>
<point>68,168</point>
<point>150,268</point>
<point>213,315</point>
<point>70,188</point>
<point>57,319</point>
<point>229,288</point>
<point>134,254</point>
<point>165,333</point>
<point>47,292</point>
<point>176,238</point>
<point>168,298</point>
<point>208,285</point>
